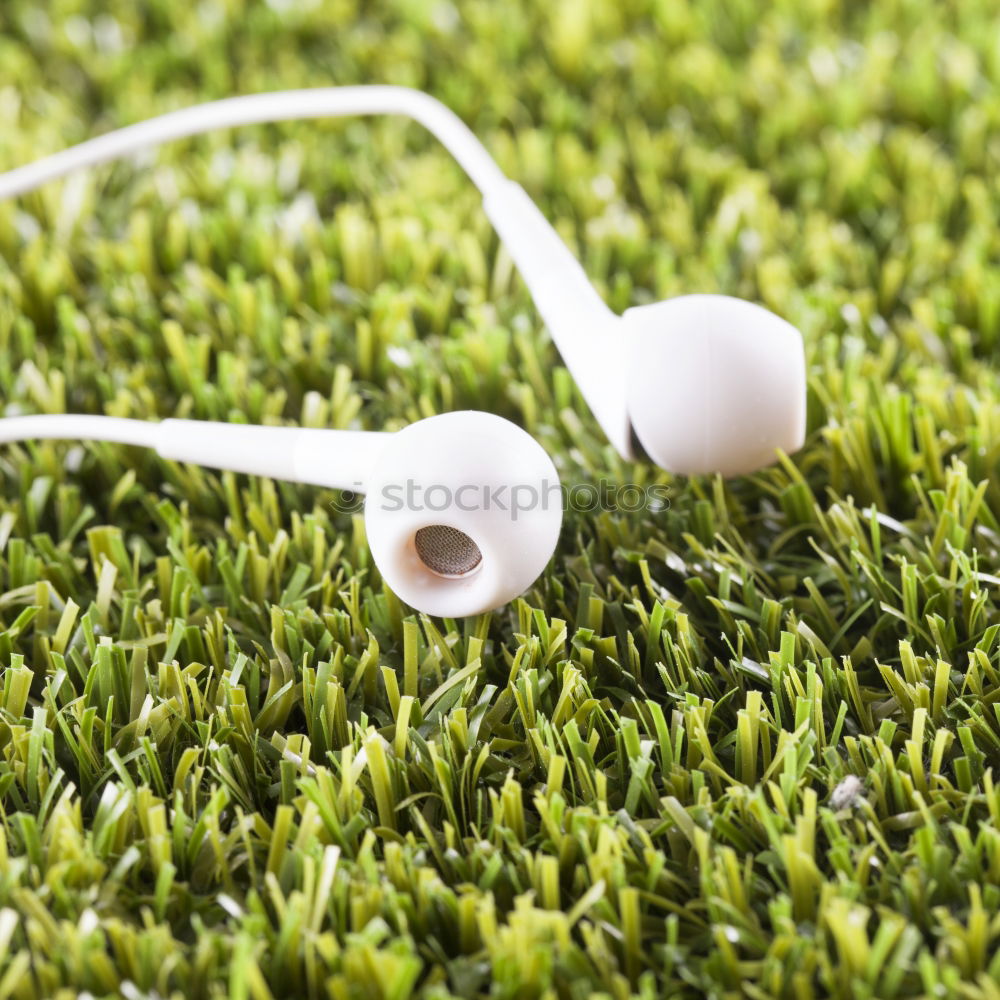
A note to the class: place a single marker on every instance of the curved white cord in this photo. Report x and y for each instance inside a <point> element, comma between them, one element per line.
<point>71,426</point>
<point>256,109</point>
<point>582,325</point>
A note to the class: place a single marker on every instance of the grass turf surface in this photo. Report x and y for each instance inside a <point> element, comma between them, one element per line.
<point>745,747</point>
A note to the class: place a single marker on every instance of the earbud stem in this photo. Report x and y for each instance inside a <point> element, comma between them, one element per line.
<point>340,460</point>
<point>586,332</point>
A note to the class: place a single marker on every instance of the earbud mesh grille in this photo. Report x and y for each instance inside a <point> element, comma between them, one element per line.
<point>447,551</point>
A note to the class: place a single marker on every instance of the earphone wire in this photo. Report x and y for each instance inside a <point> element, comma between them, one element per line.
<point>83,427</point>
<point>259,109</point>
<point>253,109</point>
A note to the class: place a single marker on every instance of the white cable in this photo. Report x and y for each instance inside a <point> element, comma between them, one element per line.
<point>256,109</point>
<point>576,315</point>
<point>79,427</point>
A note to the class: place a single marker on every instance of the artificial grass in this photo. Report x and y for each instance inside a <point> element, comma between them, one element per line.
<point>746,746</point>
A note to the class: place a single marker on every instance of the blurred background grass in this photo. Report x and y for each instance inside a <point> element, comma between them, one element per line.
<point>743,747</point>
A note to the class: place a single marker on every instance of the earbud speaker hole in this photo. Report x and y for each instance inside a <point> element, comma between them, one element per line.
<point>447,551</point>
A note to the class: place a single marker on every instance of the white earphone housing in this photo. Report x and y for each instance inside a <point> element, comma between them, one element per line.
<point>463,512</point>
<point>714,384</point>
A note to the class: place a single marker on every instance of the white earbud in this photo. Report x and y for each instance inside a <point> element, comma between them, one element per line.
<point>703,383</point>
<point>462,510</point>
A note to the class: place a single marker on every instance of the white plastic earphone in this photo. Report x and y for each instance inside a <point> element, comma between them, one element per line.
<point>462,510</point>
<point>699,383</point>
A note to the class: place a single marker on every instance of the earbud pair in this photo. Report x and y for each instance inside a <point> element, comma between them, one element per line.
<point>699,383</point>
